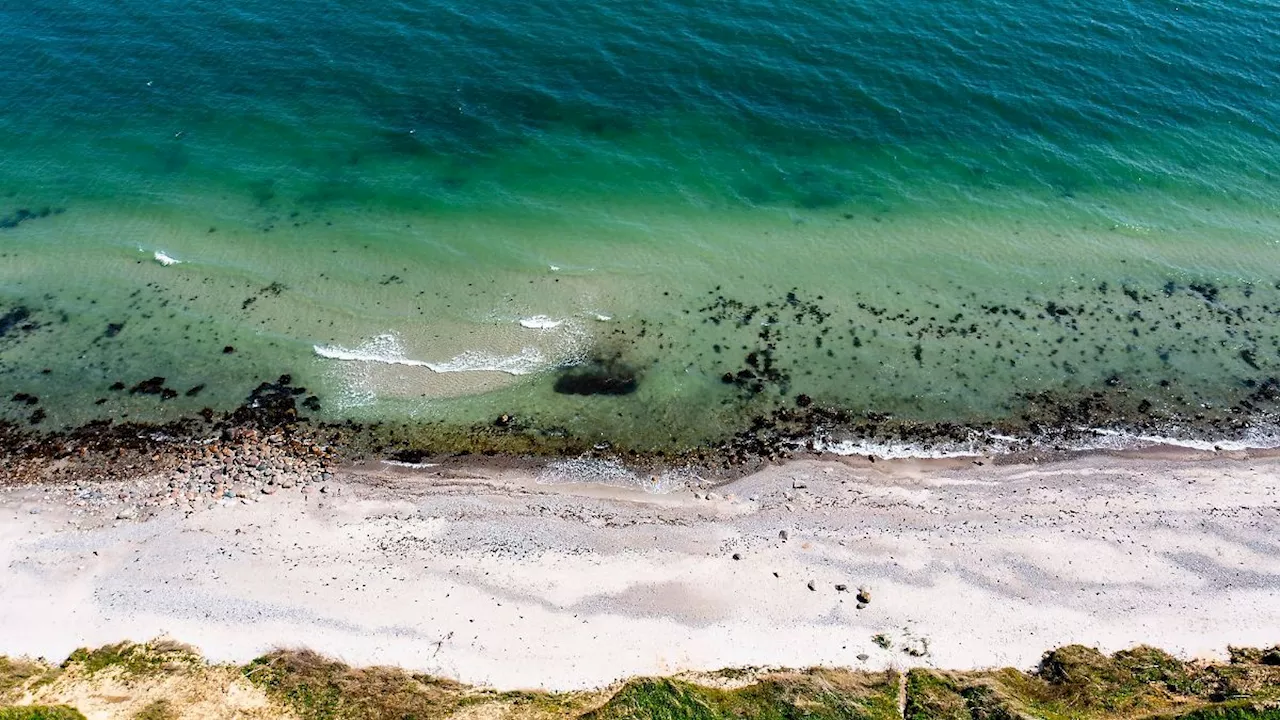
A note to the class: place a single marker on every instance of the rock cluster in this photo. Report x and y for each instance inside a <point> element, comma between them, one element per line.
<point>253,464</point>
<point>249,464</point>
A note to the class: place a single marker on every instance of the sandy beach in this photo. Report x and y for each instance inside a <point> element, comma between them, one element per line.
<point>491,576</point>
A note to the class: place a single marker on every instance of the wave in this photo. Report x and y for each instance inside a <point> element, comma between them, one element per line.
<point>163,257</point>
<point>540,322</point>
<point>388,350</point>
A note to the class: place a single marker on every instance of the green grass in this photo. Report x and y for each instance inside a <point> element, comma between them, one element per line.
<point>40,712</point>
<point>1071,683</point>
<point>815,695</point>
<point>1080,683</point>
<point>317,688</point>
<point>931,696</point>
<point>14,674</point>
<point>133,658</point>
<point>158,710</point>
<point>1232,711</point>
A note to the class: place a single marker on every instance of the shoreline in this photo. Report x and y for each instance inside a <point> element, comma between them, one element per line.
<point>273,411</point>
<point>484,573</point>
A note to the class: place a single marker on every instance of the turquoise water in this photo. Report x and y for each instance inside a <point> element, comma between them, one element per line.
<point>427,210</point>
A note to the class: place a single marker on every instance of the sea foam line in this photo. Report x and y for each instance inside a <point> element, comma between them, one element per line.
<point>988,444</point>
<point>388,350</point>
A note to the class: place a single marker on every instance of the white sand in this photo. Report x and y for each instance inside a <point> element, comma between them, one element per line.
<point>492,579</point>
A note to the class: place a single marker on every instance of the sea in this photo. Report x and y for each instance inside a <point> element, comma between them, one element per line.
<point>647,225</point>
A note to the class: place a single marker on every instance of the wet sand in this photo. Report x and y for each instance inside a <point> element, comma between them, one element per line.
<point>484,574</point>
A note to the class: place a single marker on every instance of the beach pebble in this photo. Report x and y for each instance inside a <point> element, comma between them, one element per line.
<point>782,535</point>
<point>841,587</point>
<point>128,513</point>
<point>737,556</point>
<point>864,596</point>
<point>811,585</point>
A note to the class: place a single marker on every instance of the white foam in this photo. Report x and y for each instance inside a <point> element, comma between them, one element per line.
<point>388,350</point>
<point>526,362</point>
<point>898,451</point>
<point>382,349</point>
<point>165,259</point>
<point>982,444</point>
<point>411,466</point>
<point>540,322</point>
<point>1116,440</point>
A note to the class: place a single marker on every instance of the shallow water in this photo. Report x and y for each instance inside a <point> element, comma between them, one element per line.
<point>969,205</point>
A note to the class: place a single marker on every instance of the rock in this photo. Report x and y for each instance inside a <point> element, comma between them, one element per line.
<point>811,585</point>
<point>861,605</point>
<point>864,596</point>
<point>286,483</point>
<point>863,657</point>
<point>737,556</point>
<point>798,485</point>
<point>269,490</point>
<point>841,587</point>
<point>128,513</point>
<point>782,535</point>
<point>325,489</point>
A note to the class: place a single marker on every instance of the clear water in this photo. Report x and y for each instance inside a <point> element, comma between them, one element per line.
<point>409,181</point>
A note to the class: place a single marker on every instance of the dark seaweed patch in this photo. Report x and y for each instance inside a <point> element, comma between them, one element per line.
<point>150,386</point>
<point>21,215</point>
<point>16,318</point>
<point>599,376</point>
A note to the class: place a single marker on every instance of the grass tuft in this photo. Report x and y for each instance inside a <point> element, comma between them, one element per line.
<point>815,694</point>
<point>318,688</point>
<point>40,712</point>
<point>133,658</point>
<point>14,675</point>
<point>158,710</point>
